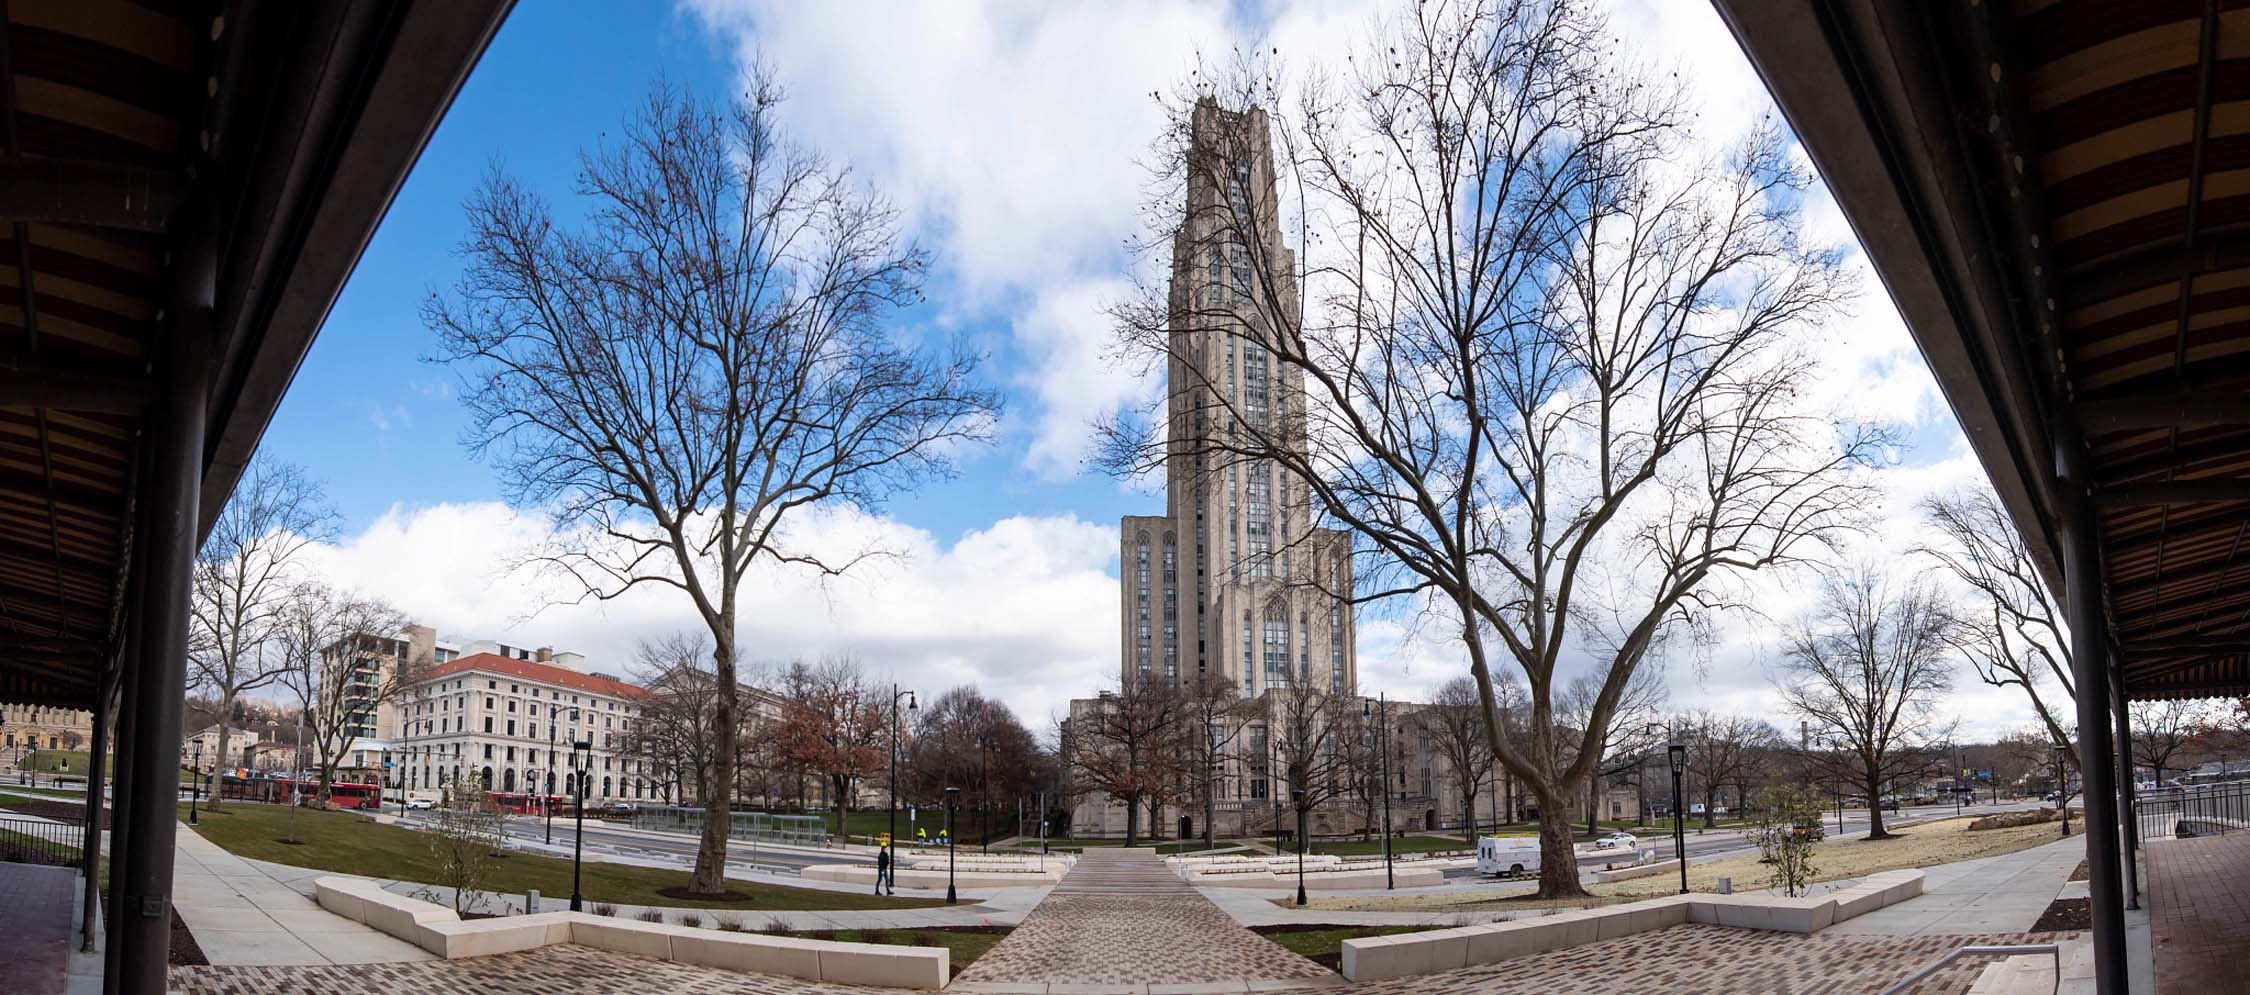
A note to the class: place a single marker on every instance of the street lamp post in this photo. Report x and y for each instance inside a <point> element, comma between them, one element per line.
<point>547,797</point>
<point>890,839</point>
<point>585,749</point>
<point>1678,755</point>
<point>1297,801</point>
<point>984,795</point>
<point>195,784</point>
<point>951,793</point>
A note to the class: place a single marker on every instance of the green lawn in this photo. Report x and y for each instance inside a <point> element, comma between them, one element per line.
<point>1374,847</point>
<point>339,841</point>
<point>1326,944</point>
<point>56,761</point>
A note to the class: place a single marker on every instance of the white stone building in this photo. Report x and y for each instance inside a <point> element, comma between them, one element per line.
<point>510,722</point>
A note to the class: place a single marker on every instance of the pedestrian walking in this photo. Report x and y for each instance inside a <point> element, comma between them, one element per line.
<point>883,874</point>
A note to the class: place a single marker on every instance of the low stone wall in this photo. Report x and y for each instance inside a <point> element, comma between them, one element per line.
<point>436,929</point>
<point>1357,879</point>
<point>1642,871</point>
<point>1378,958</point>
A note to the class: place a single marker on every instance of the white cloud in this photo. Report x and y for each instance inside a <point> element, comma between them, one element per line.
<point>1026,608</point>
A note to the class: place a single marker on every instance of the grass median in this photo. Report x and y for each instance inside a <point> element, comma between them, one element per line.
<point>354,844</point>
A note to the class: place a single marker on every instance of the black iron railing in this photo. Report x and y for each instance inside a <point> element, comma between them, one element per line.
<point>2193,810</point>
<point>54,842</point>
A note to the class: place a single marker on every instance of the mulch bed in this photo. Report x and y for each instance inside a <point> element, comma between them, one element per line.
<point>185,951</point>
<point>2080,874</point>
<point>2066,915</point>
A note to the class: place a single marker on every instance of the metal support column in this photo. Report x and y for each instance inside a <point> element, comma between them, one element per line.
<point>143,938</point>
<point>2097,764</point>
<point>2129,823</point>
<point>90,858</point>
<point>128,740</point>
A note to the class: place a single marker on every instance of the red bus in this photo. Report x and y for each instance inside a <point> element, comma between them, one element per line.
<point>514,803</point>
<point>284,791</point>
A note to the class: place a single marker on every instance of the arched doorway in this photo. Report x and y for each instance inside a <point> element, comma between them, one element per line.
<point>485,777</point>
<point>1187,827</point>
<point>508,780</point>
<point>1429,820</point>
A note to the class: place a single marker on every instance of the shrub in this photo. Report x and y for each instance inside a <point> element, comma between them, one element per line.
<point>923,940</point>
<point>775,927</point>
<point>651,915</point>
<point>1785,826</point>
<point>874,936</point>
<point>604,909</point>
<point>464,833</point>
<point>692,921</point>
<point>727,923</point>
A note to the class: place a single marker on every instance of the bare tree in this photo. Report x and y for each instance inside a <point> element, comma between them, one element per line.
<point>1630,732</point>
<point>1309,728</point>
<point>339,648</point>
<point>1213,714</point>
<point>2162,730</point>
<point>243,579</point>
<point>677,732</point>
<point>1125,743</point>
<point>1454,721</point>
<point>707,355</point>
<point>1869,669</point>
<point>2012,631</point>
<point>1723,750</point>
<point>1549,352</point>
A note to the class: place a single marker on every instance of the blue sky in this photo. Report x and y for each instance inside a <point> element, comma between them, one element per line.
<point>1010,135</point>
<point>560,73</point>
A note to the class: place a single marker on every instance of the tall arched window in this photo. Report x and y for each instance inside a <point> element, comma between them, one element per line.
<point>1141,604</point>
<point>1276,644</point>
<point>1249,665</point>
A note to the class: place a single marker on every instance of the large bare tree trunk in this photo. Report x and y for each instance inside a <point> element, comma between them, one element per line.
<point>1557,878</point>
<point>226,708</point>
<point>710,877</point>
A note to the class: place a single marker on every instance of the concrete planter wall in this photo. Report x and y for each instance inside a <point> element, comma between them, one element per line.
<point>436,929</point>
<point>1378,958</point>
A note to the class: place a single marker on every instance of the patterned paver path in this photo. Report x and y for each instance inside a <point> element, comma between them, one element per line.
<point>1121,917</point>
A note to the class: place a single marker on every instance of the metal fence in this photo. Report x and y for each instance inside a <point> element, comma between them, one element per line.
<point>762,827</point>
<point>2193,810</point>
<point>55,842</point>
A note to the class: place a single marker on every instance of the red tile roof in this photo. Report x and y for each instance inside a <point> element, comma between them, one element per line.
<point>508,666</point>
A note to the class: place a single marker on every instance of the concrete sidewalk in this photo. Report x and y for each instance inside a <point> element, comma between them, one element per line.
<point>2002,894</point>
<point>249,912</point>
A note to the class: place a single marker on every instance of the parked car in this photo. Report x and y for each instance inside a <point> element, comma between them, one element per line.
<point>1617,840</point>
<point>1890,804</point>
<point>421,804</point>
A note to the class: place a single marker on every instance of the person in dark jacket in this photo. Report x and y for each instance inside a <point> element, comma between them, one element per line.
<point>883,871</point>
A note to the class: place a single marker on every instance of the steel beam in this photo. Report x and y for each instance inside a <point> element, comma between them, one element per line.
<point>2211,253</point>
<point>2165,409</point>
<point>2205,491</point>
<point>91,855</point>
<point>97,194</point>
<point>2142,649</point>
<point>71,390</point>
<point>2129,825</point>
<point>173,491</point>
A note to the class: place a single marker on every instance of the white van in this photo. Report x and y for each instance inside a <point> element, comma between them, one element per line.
<point>1508,855</point>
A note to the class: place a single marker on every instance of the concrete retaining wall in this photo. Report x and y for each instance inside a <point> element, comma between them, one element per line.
<point>1377,958</point>
<point>1629,873</point>
<point>923,877</point>
<point>436,929</point>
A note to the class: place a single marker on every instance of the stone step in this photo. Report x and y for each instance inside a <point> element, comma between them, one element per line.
<point>2029,974</point>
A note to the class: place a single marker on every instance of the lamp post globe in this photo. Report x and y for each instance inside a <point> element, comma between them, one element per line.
<point>951,794</point>
<point>1677,754</point>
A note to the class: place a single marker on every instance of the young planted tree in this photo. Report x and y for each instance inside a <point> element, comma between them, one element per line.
<point>244,575</point>
<point>1868,668</point>
<point>1547,349</point>
<point>2011,628</point>
<point>464,835</point>
<point>1786,829</point>
<point>709,354</point>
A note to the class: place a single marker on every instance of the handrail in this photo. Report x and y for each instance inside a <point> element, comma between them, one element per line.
<point>1999,950</point>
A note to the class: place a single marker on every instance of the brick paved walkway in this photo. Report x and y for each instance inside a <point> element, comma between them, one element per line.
<point>1121,917</point>
<point>1703,959</point>
<point>2199,912</point>
<point>35,904</point>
